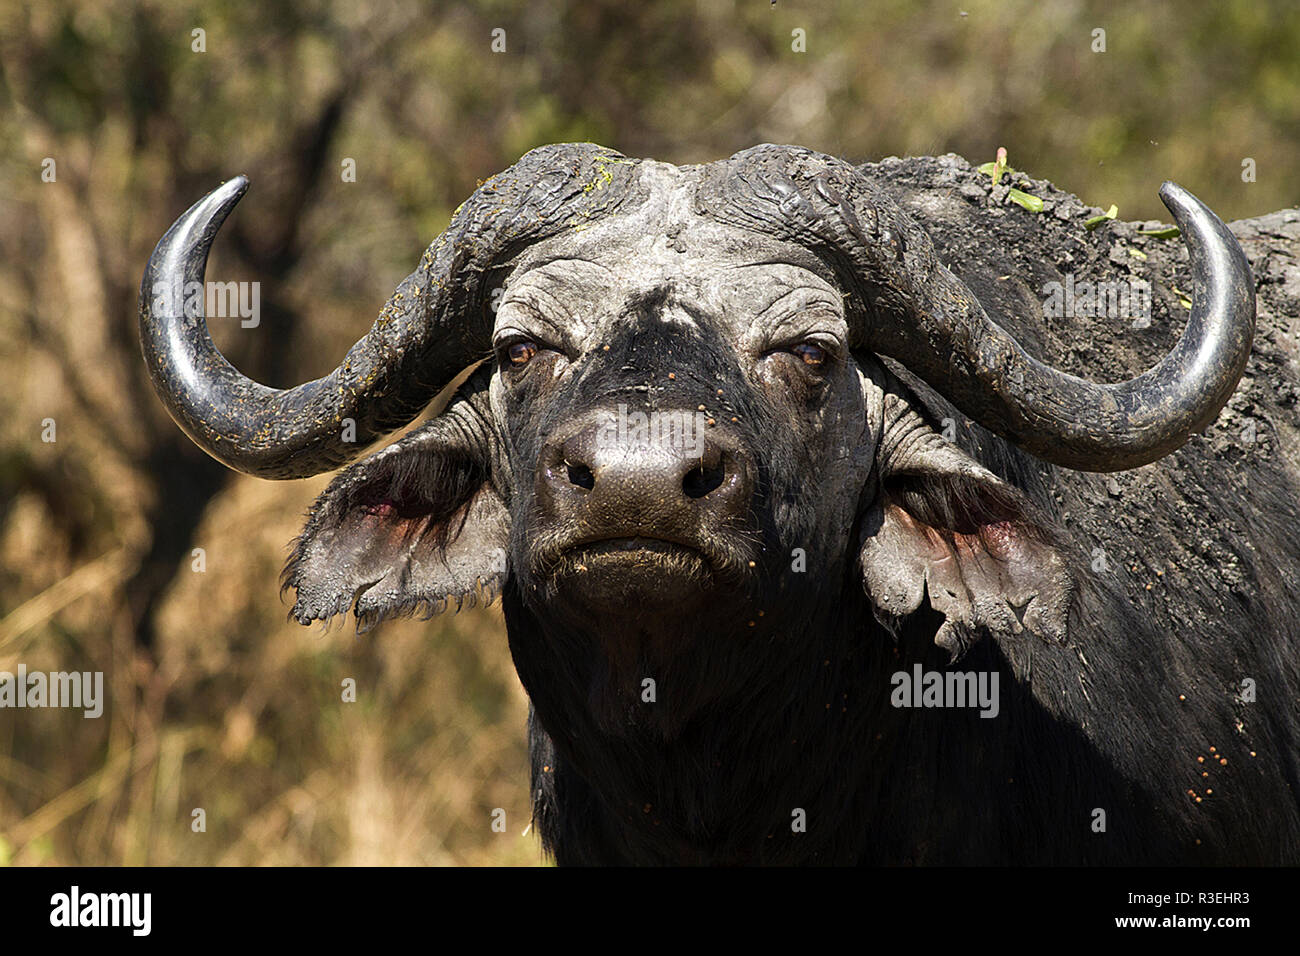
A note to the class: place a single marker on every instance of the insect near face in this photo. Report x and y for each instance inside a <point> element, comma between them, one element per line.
<point>708,447</point>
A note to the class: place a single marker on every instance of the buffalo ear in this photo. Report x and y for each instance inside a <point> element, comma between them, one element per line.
<point>409,530</point>
<point>945,528</point>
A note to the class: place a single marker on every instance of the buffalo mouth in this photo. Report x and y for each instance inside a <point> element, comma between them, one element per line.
<point>639,563</point>
<point>636,580</point>
<point>632,552</point>
<point>637,550</point>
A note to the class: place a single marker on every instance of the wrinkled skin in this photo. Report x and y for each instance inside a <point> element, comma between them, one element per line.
<point>633,312</point>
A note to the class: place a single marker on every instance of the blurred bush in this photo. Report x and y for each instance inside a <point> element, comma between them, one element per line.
<point>216,702</point>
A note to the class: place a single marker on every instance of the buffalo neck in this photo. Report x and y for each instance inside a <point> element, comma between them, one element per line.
<point>668,769</point>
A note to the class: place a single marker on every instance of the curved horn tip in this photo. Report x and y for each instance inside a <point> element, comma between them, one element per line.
<point>195,229</point>
<point>1169,188</point>
<point>221,200</point>
<point>1182,203</point>
<point>216,205</point>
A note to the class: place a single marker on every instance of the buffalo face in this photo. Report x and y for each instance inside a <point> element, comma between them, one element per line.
<point>678,414</point>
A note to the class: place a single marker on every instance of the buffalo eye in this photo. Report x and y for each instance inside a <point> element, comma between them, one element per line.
<point>811,354</point>
<point>521,353</point>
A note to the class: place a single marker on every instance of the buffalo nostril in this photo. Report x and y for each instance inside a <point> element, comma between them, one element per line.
<point>700,481</point>
<point>580,475</point>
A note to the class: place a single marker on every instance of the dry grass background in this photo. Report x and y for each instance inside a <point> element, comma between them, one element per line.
<point>214,700</point>
<point>242,715</point>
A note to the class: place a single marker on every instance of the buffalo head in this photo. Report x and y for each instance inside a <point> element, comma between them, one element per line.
<point>681,444</point>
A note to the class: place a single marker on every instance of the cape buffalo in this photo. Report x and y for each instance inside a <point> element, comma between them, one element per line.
<point>751,470</point>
